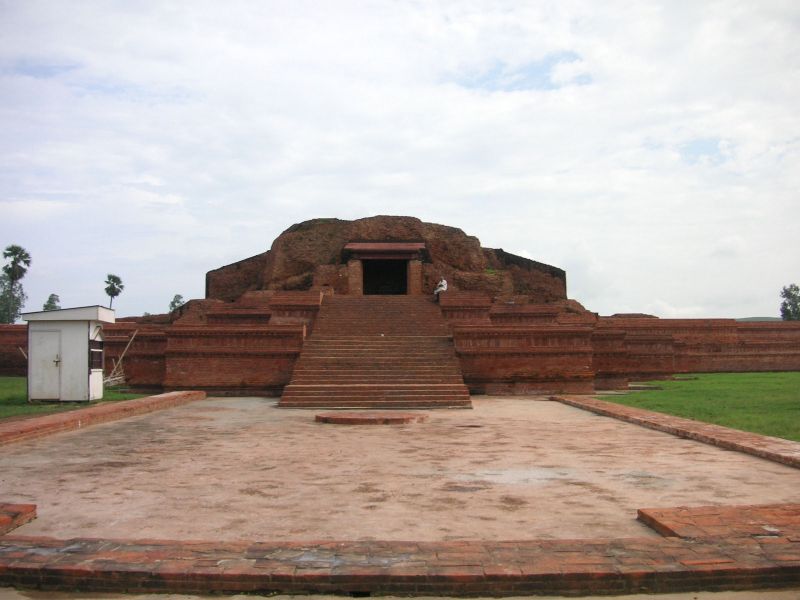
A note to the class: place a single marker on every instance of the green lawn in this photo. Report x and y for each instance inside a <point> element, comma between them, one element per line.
<point>13,400</point>
<point>766,403</point>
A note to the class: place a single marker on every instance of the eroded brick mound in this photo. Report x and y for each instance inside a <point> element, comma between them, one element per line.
<point>309,255</point>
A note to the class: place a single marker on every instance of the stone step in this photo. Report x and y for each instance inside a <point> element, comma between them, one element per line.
<point>374,360</point>
<point>397,382</point>
<point>372,388</point>
<point>377,368</point>
<point>426,404</point>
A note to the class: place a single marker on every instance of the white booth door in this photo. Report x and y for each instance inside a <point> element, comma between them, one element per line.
<point>45,383</point>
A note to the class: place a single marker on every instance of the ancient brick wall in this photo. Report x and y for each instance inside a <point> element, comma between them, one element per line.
<point>607,360</point>
<point>232,359</point>
<point>251,345</point>
<point>467,308</point>
<point>660,347</point>
<point>231,281</point>
<point>12,361</point>
<point>525,359</point>
<point>144,361</point>
<point>524,314</point>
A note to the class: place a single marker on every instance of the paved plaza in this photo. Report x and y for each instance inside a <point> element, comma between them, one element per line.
<point>241,469</point>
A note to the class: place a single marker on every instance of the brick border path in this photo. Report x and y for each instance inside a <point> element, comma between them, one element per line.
<point>627,565</point>
<point>36,427</point>
<point>775,449</point>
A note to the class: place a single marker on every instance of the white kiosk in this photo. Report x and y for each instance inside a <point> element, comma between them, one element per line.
<point>65,353</point>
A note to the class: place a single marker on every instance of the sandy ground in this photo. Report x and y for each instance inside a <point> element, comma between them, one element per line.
<point>228,469</point>
<point>9,594</point>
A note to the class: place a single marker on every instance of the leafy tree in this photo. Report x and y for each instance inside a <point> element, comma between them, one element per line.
<point>114,287</point>
<point>12,296</point>
<point>177,302</point>
<point>790,307</point>
<point>12,299</point>
<point>52,302</point>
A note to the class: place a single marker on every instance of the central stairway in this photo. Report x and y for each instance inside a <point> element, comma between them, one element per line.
<point>377,352</point>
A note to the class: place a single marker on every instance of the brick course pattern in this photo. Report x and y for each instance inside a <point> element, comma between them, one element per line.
<point>36,427</point>
<point>252,345</point>
<point>775,449</point>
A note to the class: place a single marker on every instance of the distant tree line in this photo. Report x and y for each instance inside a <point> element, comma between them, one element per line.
<point>12,295</point>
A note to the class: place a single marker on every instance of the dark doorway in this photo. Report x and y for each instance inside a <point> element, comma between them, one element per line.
<point>385,276</point>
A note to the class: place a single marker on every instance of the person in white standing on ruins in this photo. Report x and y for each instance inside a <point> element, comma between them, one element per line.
<point>440,287</point>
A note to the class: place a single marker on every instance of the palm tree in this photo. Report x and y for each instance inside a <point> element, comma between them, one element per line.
<point>114,287</point>
<point>20,261</point>
<point>12,296</point>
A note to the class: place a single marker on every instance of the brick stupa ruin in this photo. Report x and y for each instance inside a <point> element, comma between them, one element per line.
<point>340,314</point>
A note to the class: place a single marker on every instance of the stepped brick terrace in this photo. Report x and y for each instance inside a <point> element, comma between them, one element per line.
<point>357,295</point>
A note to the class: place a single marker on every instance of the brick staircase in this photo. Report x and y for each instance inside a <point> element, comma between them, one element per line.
<point>377,352</point>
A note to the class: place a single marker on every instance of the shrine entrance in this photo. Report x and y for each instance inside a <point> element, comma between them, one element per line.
<point>385,277</point>
<point>384,268</point>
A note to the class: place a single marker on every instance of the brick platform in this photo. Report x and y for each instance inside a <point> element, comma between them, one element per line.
<point>370,418</point>
<point>36,427</point>
<point>778,450</point>
<point>15,515</point>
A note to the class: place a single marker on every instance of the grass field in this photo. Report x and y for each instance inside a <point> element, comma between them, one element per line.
<point>13,402</point>
<point>766,403</point>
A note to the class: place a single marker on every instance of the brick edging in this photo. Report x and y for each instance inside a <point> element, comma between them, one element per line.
<point>15,515</point>
<point>775,449</point>
<point>36,427</point>
<point>468,568</point>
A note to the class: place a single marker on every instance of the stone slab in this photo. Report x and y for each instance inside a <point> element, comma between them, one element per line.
<point>372,417</point>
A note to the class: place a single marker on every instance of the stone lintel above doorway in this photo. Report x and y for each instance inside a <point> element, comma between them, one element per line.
<point>384,250</point>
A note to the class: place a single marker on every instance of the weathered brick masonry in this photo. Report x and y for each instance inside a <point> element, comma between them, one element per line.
<point>252,345</point>
<point>12,338</point>
<point>513,329</point>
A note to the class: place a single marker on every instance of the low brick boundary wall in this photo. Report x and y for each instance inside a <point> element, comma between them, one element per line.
<point>775,449</point>
<point>569,567</point>
<point>35,427</point>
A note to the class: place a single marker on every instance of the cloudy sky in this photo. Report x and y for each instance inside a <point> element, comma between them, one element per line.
<point>650,149</point>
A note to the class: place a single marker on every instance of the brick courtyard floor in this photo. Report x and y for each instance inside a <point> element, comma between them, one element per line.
<point>515,496</point>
